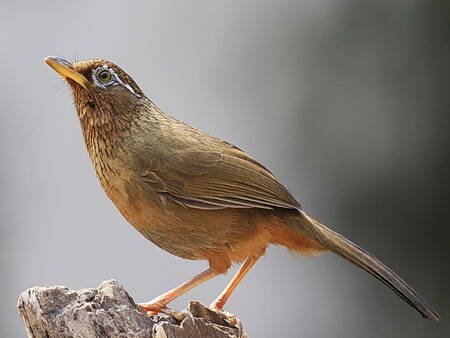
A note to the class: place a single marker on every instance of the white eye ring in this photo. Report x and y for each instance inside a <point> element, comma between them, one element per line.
<point>104,77</point>
<point>113,79</point>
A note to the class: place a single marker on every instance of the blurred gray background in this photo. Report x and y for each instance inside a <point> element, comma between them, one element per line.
<point>347,102</point>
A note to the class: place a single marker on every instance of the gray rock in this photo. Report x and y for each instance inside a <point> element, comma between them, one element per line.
<point>108,311</point>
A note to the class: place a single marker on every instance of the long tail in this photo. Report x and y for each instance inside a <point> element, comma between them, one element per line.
<point>361,258</point>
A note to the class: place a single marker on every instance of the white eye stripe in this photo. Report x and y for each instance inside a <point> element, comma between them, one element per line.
<point>127,86</point>
<point>115,79</point>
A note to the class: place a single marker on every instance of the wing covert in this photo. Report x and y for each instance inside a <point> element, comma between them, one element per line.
<point>217,180</point>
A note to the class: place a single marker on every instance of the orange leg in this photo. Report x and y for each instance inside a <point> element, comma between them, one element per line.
<point>159,303</point>
<point>226,293</point>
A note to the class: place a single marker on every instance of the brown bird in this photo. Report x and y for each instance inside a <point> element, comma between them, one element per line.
<point>195,195</point>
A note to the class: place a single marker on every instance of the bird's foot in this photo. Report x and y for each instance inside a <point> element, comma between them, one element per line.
<point>229,317</point>
<point>153,307</point>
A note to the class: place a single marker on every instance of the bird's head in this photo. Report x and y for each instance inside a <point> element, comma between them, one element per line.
<point>102,91</point>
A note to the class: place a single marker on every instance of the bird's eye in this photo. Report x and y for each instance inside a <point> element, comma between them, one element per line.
<point>104,76</point>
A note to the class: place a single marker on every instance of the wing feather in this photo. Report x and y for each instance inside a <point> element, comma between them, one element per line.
<point>217,180</point>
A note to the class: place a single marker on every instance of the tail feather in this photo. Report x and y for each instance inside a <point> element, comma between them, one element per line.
<point>363,259</point>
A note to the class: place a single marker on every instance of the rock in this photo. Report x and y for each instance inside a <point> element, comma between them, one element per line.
<point>108,311</point>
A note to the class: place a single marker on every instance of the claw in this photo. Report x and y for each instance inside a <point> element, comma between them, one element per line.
<point>178,315</point>
<point>152,308</point>
<point>229,317</point>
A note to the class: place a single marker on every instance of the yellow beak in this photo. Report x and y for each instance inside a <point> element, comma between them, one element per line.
<point>65,69</point>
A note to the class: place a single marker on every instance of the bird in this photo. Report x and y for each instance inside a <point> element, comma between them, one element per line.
<point>196,196</point>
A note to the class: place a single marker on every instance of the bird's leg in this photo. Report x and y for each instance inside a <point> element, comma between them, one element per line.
<point>159,303</point>
<point>226,293</point>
